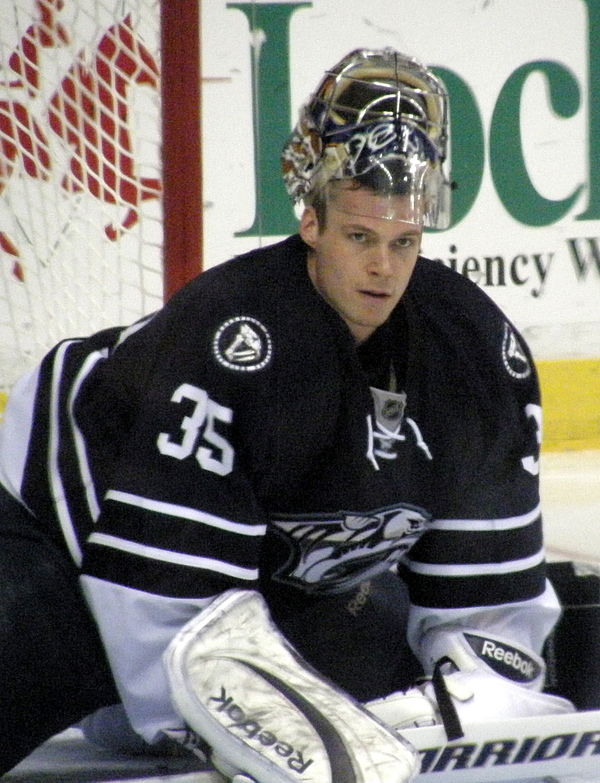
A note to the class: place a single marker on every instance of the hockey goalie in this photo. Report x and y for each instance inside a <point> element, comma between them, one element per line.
<point>291,522</point>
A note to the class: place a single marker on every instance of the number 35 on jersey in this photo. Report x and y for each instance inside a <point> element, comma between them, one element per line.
<point>197,434</point>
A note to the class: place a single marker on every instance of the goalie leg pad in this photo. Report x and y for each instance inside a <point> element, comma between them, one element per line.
<point>238,683</point>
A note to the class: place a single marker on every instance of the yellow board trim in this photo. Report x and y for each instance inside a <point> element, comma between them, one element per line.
<point>571,404</point>
<point>570,401</point>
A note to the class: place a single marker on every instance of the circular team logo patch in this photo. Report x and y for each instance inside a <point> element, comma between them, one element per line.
<point>242,343</point>
<point>513,355</point>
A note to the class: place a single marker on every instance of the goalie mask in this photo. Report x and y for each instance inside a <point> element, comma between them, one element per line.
<point>378,118</point>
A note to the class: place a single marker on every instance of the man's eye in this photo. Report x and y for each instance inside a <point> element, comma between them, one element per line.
<point>358,236</point>
<point>405,242</point>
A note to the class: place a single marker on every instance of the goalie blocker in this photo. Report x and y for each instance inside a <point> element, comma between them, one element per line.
<point>238,683</point>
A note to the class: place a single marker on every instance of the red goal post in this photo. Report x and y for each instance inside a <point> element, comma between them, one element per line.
<point>100,166</point>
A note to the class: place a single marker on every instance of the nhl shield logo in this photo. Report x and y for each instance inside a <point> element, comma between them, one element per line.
<point>243,344</point>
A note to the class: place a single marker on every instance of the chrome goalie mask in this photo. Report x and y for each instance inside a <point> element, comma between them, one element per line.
<point>379,118</point>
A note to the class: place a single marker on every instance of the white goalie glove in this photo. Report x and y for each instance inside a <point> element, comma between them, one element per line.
<point>476,677</point>
<point>267,716</point>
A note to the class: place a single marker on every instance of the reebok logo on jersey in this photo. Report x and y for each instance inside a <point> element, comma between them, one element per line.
<point>359,601</point>
<point>251,728</point>
<point>243,344</point>
<point>504,659</point>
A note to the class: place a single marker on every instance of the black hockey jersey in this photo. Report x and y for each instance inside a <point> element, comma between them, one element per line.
<point>238,437</point>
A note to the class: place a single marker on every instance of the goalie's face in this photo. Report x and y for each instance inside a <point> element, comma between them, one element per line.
<point>362,259</point>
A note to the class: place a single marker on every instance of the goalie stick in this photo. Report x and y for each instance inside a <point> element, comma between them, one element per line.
<point>539,749</point>
<point>546,749</point>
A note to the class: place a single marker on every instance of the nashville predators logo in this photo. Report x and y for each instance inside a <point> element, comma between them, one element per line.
<point>332,553</point>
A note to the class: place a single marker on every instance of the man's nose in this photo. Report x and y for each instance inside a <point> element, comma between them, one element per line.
<point>380,261</point>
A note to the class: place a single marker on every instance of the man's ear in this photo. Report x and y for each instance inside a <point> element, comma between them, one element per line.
<point>309,226</point>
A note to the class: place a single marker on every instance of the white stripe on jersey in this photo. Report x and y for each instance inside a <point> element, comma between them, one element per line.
<point>135,327</point>
<point>185,512</point>
<point>177,558</point>
<point>82,458</point>
<point>58,492</point>
<point>476,569</point>
<point>486,524</point>
<point>136,628</point>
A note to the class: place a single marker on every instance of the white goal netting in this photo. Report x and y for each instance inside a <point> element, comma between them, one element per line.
<point>80,173</point>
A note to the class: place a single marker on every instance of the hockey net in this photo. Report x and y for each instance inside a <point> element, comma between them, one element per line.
<point>81,188</point>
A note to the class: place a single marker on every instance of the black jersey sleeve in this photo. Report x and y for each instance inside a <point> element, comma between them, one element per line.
<point>483,553</point>
<point>180,514</point>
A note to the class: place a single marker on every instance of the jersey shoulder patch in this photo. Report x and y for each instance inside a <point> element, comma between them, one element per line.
<point>242,343</point>
<point>477,326</point>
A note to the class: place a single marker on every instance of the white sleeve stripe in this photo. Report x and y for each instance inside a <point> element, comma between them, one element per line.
<point>58,491</point>
<point>82,458</point>
<point>135,327</point>
<point>476,569</point>
<point>176,558</point>
<point>185,512</point>
<point>507,523</point>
